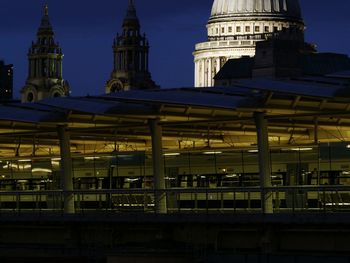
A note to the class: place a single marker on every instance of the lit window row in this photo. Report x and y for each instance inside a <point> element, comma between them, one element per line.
<point>247,29</point>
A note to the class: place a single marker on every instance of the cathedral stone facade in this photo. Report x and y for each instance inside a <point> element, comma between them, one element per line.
<point>130,50</point>
<point>234,28</point>
<point>45,66</point>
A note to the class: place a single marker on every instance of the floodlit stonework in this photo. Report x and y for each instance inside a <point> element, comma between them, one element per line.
<point>45,58</point>
<point>235,26</point>
<point>131,65</point>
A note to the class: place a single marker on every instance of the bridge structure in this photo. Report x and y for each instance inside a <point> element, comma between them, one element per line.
<point>253,172</point>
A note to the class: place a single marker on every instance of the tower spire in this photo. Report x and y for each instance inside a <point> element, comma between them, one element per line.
<point>131,12</point>
<point>45,20</point>
<point>46,10</point>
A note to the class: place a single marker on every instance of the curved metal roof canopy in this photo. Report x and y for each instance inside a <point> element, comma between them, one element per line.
<point>220,117</point>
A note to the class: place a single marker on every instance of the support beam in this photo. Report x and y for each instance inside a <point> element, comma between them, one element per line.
<point>66,169</point>
<point>264,162</point>
<point>158,166</point>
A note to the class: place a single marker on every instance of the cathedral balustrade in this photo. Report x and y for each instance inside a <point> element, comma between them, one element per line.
<point>227,43</point>
<point>238,40</point>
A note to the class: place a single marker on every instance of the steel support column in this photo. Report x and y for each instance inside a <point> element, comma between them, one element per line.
<point>66,170</point>
<point>158,166</point>
<point>264,162</point>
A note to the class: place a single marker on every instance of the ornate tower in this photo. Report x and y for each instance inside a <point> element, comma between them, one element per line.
<point>130,49</point>
<point>45,66</point>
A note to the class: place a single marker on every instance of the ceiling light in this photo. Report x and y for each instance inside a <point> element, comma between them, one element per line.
<point>209,153</point>
<point>24,160</point>
<point>302,149</point>
<point>43,170</point>
<point>91,158</point>
<point>171,154</point>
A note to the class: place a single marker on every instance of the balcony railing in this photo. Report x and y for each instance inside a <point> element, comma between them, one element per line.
<point>301,199</point>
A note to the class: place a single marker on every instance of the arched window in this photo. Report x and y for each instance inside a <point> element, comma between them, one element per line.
<point>30,97</point>
<point>116,87</point>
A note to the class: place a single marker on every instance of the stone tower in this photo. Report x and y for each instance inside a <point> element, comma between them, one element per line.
<point>45,66</point>
<point>130,50</point>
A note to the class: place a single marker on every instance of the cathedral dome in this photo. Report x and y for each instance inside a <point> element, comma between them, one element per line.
<point>236,26</point>
<point>288,9</point>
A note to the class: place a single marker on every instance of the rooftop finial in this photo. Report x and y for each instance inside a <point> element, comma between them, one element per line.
<point>46,10</point>
<point>131,13</point>
<point>45,21</point>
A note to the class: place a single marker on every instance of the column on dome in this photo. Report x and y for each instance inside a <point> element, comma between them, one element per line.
<point>195,74</point>
<point>205,84</point>
<point>217,64</point>
<point>210,76</point>
<point>198,73</point>
<point>202,72</point>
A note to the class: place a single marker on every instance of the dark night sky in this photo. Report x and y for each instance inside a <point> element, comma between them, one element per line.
<point>85,30</point>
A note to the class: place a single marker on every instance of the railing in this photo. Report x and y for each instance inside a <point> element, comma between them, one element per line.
<point>225,43</point>
<point>301,199</point>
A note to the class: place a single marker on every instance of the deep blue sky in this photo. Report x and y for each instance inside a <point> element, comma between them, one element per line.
<point>85,30</point>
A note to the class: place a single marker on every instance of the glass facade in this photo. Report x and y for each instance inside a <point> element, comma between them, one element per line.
<point>195,180</point>
<point>325,164</point>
